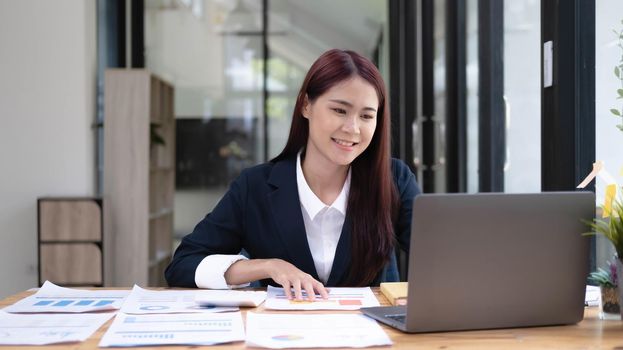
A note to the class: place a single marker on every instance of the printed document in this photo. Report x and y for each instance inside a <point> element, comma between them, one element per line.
<point>52,298</point>
<point>174,329</point>
<point>230,297</point>
<point>278,331</point>
<point>145,301</point>
<point>31,329</point>
<point>339,299</point>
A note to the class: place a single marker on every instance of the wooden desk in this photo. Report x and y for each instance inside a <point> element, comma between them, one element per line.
<point>591,333</point>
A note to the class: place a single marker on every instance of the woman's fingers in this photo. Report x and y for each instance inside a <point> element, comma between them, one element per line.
<point>296,284</point>
<point>310,290</point>
<point>295,281</point>
<point>286,289</point>
<point>324,292</point>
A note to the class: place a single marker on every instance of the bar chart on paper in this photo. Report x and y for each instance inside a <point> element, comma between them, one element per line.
<point>64,304</point>
<point>52,298</point>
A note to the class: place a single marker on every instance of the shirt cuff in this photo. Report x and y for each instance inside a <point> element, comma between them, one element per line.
<point>210,272</point>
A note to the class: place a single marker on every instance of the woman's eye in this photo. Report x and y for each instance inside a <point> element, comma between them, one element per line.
<point>367,116</point>
<point>339,110</point>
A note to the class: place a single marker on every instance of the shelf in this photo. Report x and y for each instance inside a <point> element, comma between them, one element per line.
<point>70,240</point>
<point>76,263</point>
<point>139,177</point>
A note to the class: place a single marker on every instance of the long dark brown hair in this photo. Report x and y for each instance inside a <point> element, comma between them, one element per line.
<point>373,198</point>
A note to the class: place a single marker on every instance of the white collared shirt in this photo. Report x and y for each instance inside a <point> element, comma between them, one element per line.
<point>323,225</point>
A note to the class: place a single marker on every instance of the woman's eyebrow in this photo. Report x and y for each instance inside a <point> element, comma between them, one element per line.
<point>348,104</point>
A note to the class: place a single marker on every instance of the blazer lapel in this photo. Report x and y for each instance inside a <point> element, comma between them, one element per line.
<point>286,210</point>
<point>342,257</point>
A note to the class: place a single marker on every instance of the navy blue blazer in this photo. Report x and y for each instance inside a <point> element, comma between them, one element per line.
<point>261,213</point>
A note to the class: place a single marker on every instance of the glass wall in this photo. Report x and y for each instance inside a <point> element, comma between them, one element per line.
<point>522,95</point>
<point>608,96</point>
<point>441,95</point>
<point>472,94</point>
<point>300,31</point>
<point>212,52</point>
<point>522,91</point>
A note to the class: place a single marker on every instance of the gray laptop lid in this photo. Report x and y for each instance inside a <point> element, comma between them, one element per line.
<point>480,261</point>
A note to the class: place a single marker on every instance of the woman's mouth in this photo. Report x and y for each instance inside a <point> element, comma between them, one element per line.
<point>344,143</point>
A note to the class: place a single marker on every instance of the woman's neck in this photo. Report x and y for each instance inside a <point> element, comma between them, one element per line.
<point>325,178</point>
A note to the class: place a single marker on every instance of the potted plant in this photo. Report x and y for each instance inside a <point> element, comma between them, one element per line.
<point>612,229</point>
<point>607,281</point>
<point>611,226</point>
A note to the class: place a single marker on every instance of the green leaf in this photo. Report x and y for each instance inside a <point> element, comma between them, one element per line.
<point>617,72</point>
<point>602,278</point>
<point>611,228</point>
<point>620,92</point>
<point>620,126</point>
<point>615,112</point>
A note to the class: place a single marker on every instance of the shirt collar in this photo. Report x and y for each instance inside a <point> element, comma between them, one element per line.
<point>310,202</point>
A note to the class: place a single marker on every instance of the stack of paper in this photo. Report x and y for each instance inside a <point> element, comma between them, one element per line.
<point>339,299</point>
<point>189,317</point>
<point>57,315</point>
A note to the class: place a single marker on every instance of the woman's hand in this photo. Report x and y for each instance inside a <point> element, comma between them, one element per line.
<point>282,272</point>
<point>289,276</point>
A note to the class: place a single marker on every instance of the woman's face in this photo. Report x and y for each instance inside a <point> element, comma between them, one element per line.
<point>342,121</point>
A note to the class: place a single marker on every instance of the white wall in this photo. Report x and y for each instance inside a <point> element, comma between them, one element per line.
<point>47,106</point>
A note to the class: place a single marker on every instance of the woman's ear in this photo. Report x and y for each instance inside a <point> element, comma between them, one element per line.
<point>306,107</point>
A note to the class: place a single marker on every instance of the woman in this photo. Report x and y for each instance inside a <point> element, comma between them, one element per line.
<point>327,211</point>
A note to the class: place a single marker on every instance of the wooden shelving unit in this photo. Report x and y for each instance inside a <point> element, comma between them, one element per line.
<point>70,241</point>
<point>139,177</point>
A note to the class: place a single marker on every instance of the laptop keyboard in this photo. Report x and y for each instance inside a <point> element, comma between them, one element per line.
<point>398,317</point>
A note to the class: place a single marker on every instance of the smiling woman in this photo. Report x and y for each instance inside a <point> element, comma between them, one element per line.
<point>327,211</point>
<point>341,122</point>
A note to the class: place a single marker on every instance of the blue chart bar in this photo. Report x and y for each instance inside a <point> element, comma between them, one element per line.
<point>67,302</point>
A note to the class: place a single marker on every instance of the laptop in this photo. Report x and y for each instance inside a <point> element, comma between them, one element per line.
<point>494,260</point>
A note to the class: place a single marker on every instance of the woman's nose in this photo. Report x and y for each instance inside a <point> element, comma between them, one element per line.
<point>351,124</point>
